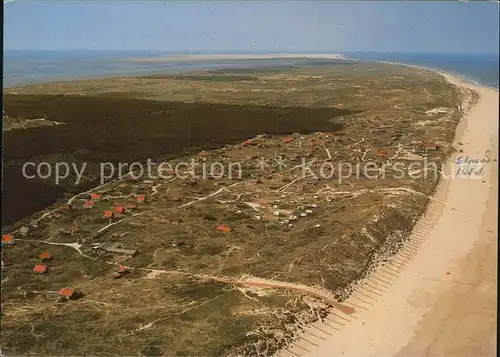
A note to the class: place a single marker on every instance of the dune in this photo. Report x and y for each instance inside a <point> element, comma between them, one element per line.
<point>438,296</point>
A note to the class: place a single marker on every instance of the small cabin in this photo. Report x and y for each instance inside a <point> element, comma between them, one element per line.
<point>45,256</point>
<point>8,239</point>
<point>120,209</point>
<point>89,204</point>
<point>224,228</point>
<point>71,294</point>
<point>123,270</point>
<point>141,198</point>
<point>95,197</point>
<point>108,214</point>
<point>41,269</point>
<point>431,147</point>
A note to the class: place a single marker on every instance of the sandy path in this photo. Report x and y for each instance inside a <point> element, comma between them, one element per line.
<point>438,296</point>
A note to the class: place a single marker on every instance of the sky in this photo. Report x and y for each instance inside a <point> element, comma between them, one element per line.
<point>230,26</point>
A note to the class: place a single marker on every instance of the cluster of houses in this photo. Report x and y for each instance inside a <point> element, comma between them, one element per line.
<point>45,257</point>
<point>118,209</point>
<point>287,219</point>
<point>65,294</point>
<point>43,268</point>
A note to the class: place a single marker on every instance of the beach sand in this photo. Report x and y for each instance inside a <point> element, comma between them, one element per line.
<point>441,299</point>
<point>227,57</point>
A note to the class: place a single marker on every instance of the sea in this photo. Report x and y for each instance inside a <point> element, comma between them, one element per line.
<point>33,67</point>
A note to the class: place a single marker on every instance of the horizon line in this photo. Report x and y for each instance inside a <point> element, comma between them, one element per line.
<point>238,51</point>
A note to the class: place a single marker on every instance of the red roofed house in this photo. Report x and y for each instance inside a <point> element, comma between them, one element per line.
<point>108,214</point>
<point>45,256</point>
<point>287,140</point>
<point>380,153</point>
<point>89,204</point>
<point>95,196</point>
<point>41,269</point>
<point>7,239</point>
<point>141,198</point>
<point>120,209</point>
<point>131,206</point>
<point>224,228</point>
<point>70,293</point>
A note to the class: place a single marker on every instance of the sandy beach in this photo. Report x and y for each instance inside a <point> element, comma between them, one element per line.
<point>437,297</point>
<point>227,57</point>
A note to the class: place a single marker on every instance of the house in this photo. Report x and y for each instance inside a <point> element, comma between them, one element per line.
<point>89,204</point>
<point>24,231</point>
<point>7,239</point>
<point>108,214</point>
<point>131,206</point>
<point>224,228</point>
<point>34,223</point>
<point>120,209</point>
<point>141,198</point>
<point>431,147</point>
<point>95,197</point>
<point>45,256</point>
<point>287,140</point>
<point>67,206</point>
<point>41,269</point>
<point>71,294</point>
<point>380,153</point>
<point>121,271</point>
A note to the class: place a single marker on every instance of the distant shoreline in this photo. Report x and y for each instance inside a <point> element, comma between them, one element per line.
<point>228,57</point>
<point>28,71</point>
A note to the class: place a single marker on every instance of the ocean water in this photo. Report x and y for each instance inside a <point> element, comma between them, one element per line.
<point>478,68</point>
<point>29,67</point>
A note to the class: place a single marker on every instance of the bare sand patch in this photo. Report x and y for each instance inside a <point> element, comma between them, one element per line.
<point>226,57</point>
